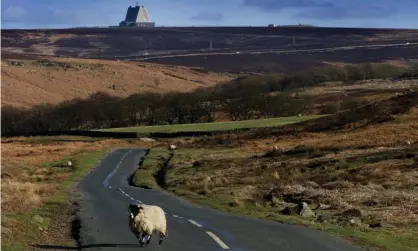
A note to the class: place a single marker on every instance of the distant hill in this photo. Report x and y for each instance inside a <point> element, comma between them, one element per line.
<point>27,82</point>
<point>134,43</point>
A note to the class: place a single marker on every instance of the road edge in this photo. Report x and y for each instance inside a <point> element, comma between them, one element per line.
<point>79,198</point>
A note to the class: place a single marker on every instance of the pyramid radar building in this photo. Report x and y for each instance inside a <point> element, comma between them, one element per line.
<point>137,17</point>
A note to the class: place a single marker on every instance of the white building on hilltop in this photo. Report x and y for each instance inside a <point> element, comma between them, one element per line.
<point>137,17</point>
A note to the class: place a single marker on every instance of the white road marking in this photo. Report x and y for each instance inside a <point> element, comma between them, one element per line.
<point>216,238</point>
<point>127,195</point>
<point>106,181</point>
<point>195,223</point>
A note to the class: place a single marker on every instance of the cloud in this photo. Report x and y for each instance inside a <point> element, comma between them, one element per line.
<point>207,16</point>
<point>325,9</point>
<point>347,12</point>
<point>13,13</point>
<point>277,5</point>
<point>50,17</point>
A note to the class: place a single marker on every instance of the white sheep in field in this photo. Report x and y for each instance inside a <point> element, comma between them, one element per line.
<point>147,219</point>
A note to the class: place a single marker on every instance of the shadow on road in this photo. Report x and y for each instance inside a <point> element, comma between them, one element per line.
<point>82,247</point>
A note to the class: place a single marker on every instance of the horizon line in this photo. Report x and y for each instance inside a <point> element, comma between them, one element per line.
<point>212,26</point>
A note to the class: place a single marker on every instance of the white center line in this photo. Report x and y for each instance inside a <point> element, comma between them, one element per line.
<point>127,195</point>
<point>195,223</point>
<point>216,238</point>
<point>106,181</point>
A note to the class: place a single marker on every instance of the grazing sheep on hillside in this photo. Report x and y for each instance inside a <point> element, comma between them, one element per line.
<point>145,220</point>
<point>172,147</point>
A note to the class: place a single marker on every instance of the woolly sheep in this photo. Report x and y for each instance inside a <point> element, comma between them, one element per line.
<point>172,147</point>
<point>146,220</point>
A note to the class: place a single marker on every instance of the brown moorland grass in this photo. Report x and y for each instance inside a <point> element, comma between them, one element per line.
<point>31,169</point>
<point>58,79</point>
<point>23,174</point>
<point>35,182</point>
<point>348,121</point>
<point>372,169</point>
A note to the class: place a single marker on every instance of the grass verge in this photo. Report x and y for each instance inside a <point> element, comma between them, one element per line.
<point>249,182</point>
<point>374,239</point>
<point>216,126</point>
<point>146,176</point>
<point>30,228</point>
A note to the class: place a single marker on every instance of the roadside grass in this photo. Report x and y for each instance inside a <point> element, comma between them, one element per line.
<point>36,183</point>
<point>372,169</point>
<point>215,126</point>
<point>27,228</point>
<point>146,175</point>
<point>238,181</point>
<point>375,239</point>
<point>50,139</point>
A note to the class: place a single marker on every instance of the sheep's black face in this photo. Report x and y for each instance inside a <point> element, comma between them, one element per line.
<point>134,210</point>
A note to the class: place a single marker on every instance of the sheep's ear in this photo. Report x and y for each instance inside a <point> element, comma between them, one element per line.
<point>140,208</point>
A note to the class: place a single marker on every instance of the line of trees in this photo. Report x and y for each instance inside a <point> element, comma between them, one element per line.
<point>101,110</point>
<point>252,97</point>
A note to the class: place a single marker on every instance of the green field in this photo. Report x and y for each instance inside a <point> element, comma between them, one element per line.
<point>216,126</point>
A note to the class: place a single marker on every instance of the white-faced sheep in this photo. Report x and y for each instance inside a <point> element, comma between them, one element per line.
<point>144,220</point>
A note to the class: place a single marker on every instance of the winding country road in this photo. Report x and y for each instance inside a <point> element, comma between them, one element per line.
<point>104,218</point>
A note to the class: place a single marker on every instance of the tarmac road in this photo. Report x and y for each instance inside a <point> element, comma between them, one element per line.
<point>159,55</point>
<point>104,218</point>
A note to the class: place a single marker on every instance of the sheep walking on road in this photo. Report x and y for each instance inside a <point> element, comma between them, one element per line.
<point>145,220</point>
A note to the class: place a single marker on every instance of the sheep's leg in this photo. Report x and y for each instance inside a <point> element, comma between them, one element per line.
<point>149,239</point>
<point>161,238</point>
<point>144,237</point>
<point>141,238</point>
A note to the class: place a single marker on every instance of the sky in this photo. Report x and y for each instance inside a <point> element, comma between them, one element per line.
<point>29,14</point>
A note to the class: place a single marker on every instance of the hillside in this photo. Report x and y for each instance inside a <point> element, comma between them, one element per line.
<point>27,82</point>
<point>284,48</point>
<point>356,169</point>
<point>109,42</point>
<point>360,181</point>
